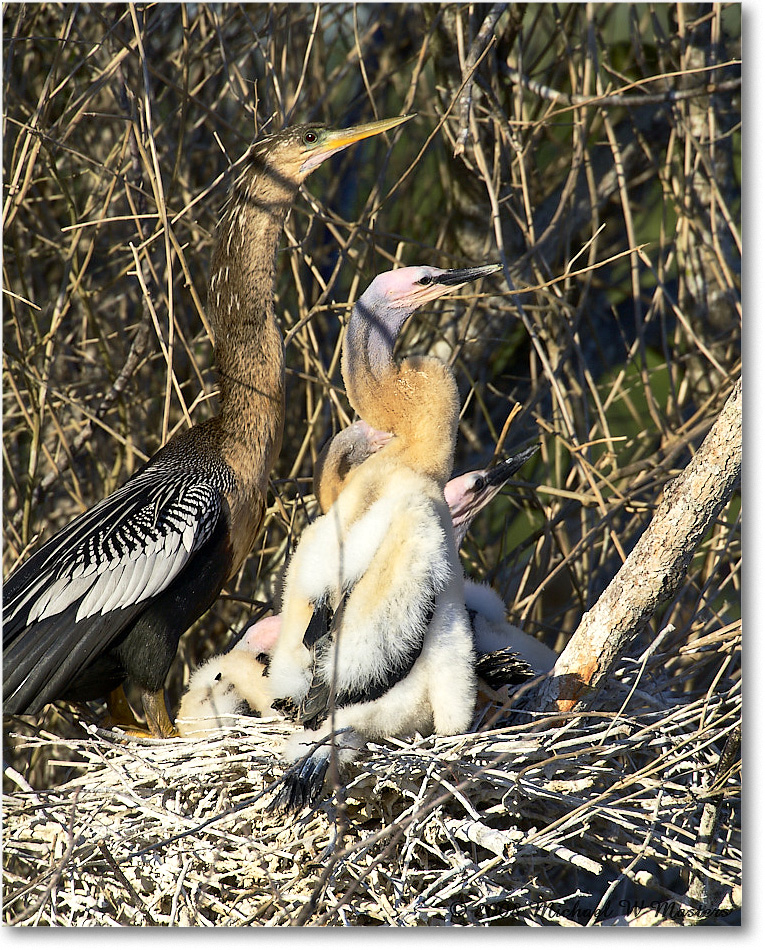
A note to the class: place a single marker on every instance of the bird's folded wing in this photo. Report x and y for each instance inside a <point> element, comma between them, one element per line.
<point>121,552</point>
<point>322,695</point>
<point>324,623</point>
<point>503,668</point>
<point>315,707</point>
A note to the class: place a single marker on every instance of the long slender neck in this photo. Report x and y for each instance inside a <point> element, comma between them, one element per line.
<point>417,399</point>
<point>249,350</point>
<point>368,346</point>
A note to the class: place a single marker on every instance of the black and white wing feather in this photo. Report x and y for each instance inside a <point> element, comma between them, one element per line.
<point>503,668</point>
<point>87,582</point>
<point>122,551</point>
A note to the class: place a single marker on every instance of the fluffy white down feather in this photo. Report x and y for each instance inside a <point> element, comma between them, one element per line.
<point>493,632</point>
<point>222,688</point>
<point>388,539</point>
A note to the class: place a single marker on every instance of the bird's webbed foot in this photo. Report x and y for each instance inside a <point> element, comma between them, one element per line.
<point>301,785</point>
<point>157,716</point>
<point>121,716</point>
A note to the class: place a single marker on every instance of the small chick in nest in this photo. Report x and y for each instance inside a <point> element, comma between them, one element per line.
<point>230,684</point>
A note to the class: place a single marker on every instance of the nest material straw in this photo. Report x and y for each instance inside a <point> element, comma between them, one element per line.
<point>622,348</point>
<point>563,823</point>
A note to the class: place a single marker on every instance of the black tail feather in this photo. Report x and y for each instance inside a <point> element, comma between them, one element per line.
<point>503,668</point>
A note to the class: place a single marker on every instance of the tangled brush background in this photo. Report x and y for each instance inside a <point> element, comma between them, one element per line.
<point>595,150</point>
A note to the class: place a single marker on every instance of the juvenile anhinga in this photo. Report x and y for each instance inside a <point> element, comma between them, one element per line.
<point>465,495</point>
<point>231,683</point>
<point>222,687</point>
<point>416,400</point>
<point>109,596</point>
<point>375,636</point>
<point>340,456</point>
<point>494,637</point>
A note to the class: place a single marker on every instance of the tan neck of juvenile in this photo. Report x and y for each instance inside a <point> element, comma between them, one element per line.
<point>419,404</point>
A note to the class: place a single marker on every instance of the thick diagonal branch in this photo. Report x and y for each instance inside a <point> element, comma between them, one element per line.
<point>654,569</point>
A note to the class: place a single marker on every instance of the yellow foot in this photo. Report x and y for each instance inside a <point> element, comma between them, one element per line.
<point>120,715</point>
<point>138,732</point>
<point>157,716</point>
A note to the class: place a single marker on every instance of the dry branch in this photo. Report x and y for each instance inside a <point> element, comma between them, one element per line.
<point>623,376</point>
<point>498,826</point>
<point>655,567</point>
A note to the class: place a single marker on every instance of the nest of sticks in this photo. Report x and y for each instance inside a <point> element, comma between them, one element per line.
<point>630,815</point>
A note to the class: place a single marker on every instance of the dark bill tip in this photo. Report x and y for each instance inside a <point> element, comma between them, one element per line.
<point>507,468</point>
<point>463,275</point>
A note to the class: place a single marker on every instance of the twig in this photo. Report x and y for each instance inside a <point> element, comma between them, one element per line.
<point>655,567</point>
<point>478,47</point>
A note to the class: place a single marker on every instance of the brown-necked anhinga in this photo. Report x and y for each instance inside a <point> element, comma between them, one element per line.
<point>108,597</point>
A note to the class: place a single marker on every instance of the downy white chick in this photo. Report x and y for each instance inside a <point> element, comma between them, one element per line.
<point>375,637</point>
<point>230,684</point>
<point>465,495</point>
<point>223,686</point>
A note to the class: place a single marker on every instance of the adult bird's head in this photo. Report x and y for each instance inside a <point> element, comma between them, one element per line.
<point>261,195</point>
<point>289,156</point>
<point>240,301</point>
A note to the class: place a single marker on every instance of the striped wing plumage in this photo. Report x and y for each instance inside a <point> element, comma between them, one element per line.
<point>98,573</point>
<point>124,550</point>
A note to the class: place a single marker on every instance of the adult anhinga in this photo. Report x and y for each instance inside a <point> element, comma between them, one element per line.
<point>375,636</point>
<point>109,596</point>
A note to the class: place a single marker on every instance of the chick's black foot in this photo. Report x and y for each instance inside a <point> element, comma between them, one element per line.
<point>301,785</point>
<point>286,707</point>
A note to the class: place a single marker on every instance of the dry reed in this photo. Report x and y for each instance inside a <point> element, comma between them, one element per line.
<point>595,150</point>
